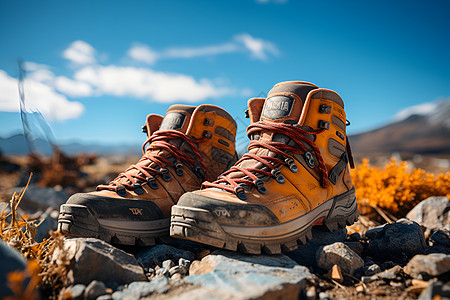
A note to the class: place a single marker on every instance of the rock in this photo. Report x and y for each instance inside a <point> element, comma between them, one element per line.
<point>41,198</point>
<point>177,269</point>
<point>397,242</point>
<point>10,260</point>
<point>436,290</point>
<point>356,247</point>
<point>94,290</point>
<point>162,271</point>
<point>341,255</point>
<point>323,296</point>
<point>182,262</point>
<point>438,249</point>
<point>428,266</point>
<point>48,224</point>
<point>149,257</point>
<point>137,290</point>
<point>168,264</point>
<point>231,275</point>
<point>372,270</point>
<point>176,276</point>
<point>433,213</point>
<point>305,254</point>
<point>355,236</point>
<point>93,259</point>
<point>390,274</point>
<point>76,292</point>
<point>441,237</point>
<point>371,233</point>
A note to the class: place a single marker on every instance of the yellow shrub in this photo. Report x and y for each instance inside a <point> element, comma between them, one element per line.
<point>395,189</point>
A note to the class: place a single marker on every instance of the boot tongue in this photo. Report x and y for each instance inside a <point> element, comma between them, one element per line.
<point>177,117</point>
<point>285,101</point>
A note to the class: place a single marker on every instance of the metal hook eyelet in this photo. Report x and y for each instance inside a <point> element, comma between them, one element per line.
<point>277,175</point>
<point>121,191</point>
<point>199,172</point>
<point>179,168</point>
<point>291,163</point>
<point>165,174</point>
<point>240,193</point>
<point>152,183</point>
<point>310,160</point>
<point>137,188</point>
<point>260,186</point>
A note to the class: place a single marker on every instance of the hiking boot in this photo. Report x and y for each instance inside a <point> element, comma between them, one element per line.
<point>295,176</point>
<point>187,146</point>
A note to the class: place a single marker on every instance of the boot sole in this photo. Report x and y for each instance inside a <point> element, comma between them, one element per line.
<point>200,225</point>
<point>77,221</point>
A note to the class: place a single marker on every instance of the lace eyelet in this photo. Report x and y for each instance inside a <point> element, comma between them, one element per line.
<point>152,183</point>
<point>179,168</point>
<point>137,188</point>
<point>310,160</point>
<point>165,174</point>
<point>199,172</point>
<point>121,191</point>
<point>291,163</point>
<point>277,175</point>
<point>240,193</point>
<point>260,186</point>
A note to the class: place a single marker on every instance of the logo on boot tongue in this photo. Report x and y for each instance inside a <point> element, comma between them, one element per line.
<point>173,121</point>
<point>277,107</point>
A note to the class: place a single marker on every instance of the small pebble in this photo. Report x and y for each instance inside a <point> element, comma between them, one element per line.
<point>174,270</point>
<point>176,276</point>
<point>168,264</point>
<point>94,290</point>
<point>323,296</point>
<point>372,270</point>
<point>182,262</point>
<point>162,271</point>
<point>76,291</point>
<point>311,293</point>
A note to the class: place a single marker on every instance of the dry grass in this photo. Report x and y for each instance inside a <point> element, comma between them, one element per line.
<point>43,273</point>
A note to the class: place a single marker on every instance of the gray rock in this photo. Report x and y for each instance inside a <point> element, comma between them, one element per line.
<point>10,260</point>
<point>323,296</point>
<point>41,198</point>
<point>397,242</point>
<point>76,291</point>
<point>93,259</point>
<point>390,274</point>
<point>94,289</point>
<point>433,213</point>
<point>371,233</point>
<point>48,224</point>
<point>231,275</point>
<point>162,271</point>
<point>168,264</point>
<point>436,288</point>
<point>428,266</point>
<point>305,254</point>
<point>105,297</point>
<point>137,290</point>
<point>341,255</point>
<point>372,270</point>
<point>441,237</point>
<point>182,262</point>
<point>149,257</point>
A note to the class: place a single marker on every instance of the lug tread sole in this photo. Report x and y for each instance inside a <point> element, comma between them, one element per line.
<point>77,221</point>
<point>199,225</point>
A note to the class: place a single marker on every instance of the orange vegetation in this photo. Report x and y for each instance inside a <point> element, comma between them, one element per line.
<point>396,189</point>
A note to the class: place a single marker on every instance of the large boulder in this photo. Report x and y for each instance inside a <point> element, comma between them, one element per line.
<point>10,260</point>
<point>398,242</point>
<point>93,259</point>
<point>433,213</point>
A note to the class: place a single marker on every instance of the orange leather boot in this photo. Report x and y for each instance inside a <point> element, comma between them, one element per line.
<point>295,176</point>
<point>187,146</point>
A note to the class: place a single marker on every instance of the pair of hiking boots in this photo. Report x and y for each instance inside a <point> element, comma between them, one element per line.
<point>190,183</point>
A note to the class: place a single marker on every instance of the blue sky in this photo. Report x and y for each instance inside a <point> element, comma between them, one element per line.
<point>97,68</point>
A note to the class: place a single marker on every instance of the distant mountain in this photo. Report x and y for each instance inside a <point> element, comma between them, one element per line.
<point>421,129</point>
<point>17,145</point>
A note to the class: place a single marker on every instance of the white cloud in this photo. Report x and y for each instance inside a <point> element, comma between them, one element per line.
<point>72,88</point>
<point>142,53</point>
<point>149,84</point>
<point>258,48</point>
<point>81,53</point>
<point>200,51</point>
<point>38,95</point>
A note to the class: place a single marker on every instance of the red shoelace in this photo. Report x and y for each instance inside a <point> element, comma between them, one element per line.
<point>298,135</point>
<point>158,140</point>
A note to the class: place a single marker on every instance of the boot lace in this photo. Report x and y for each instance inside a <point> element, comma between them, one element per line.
<point>157,141</point>
<point>269,164</point>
